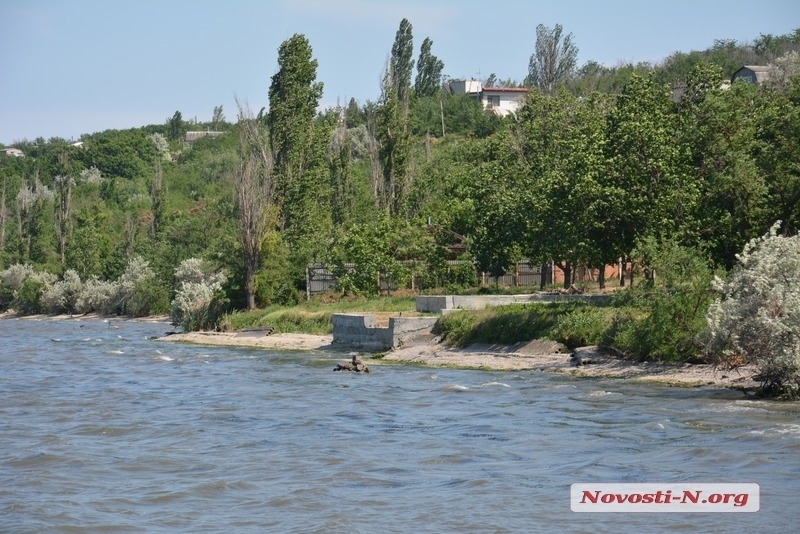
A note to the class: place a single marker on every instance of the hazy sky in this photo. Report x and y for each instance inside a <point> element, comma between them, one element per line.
<point>71,67</point>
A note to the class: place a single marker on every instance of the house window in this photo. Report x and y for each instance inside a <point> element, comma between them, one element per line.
<point>493,101</point>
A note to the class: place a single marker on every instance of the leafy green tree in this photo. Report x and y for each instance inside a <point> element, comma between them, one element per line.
<point>127,154</point>
<point>354,115</point>
<point>777,151</point>
<point>63,202</point>
<point>553,61</point>
<point>651,192</point>
<point>366,257</point>
<point>176,127</point>
<point>429,71</point>
<point>718,130</point>
<point>218,118</point>
<point>495,240</point>
<point>394,147</point>
<point>340,165</point>
<point>90,246</point>
<point>391,124</point>
<point>560,140</point>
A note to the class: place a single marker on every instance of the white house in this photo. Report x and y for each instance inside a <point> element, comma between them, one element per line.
<point>503,100</point>
<point>499,100</point>
<point>15,152</point>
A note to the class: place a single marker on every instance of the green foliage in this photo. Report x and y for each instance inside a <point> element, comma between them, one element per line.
<point>582,327</point>
<point>401,62</point>
<point>554,60</point>
<point>29,297</point>
<point>367,258</point>
<point>274,283</point>
<point>127,154</point>
<point>176,127</point>
<point>294,96</point>
<point>756,318</point>
<point>504,324</point>
<point>314,316</point>
<point>575,181</point>
<point>429,71</point>
<point>668,308</point>
<point>462,115</point>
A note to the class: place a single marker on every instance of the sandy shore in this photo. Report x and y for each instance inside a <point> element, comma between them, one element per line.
<point>535,355</point>
<point>545,356</point>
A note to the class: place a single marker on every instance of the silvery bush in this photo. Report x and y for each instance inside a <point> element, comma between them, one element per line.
<point>62,296</point>
<point>198,283</point>
<point>136,289</point>
<point>15,275</point>
<point>756,319</point>
<point>96,296</point>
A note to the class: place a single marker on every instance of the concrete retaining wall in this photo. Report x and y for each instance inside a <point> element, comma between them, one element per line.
<point>361,332</point>
<point>445,303</point>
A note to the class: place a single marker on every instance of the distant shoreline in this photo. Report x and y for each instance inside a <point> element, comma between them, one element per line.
<point>532,356</point>
<point>523,356</point>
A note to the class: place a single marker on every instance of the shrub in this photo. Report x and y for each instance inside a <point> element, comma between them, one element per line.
<point>138,292</point>
<point>63,295</point>
<point>15,275</point>
<point>756,318</point>
<point>28,300</point>
<point>584,326</point>
<point>668,308</point>
<point>96,296</point>
<point>198,303</point>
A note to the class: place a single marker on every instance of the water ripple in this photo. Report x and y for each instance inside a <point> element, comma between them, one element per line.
<point>107,431</point>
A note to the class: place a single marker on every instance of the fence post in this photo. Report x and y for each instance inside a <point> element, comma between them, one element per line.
<point>308,283</point>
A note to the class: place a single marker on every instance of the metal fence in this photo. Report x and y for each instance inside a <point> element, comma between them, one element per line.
<point>320,279</point>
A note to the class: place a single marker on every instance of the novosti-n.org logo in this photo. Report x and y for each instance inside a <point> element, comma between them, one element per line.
<point>652,497</point>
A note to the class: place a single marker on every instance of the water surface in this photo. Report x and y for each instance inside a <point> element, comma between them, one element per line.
<point>105,430</point>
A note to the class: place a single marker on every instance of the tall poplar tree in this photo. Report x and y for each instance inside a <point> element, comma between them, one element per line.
<point>429,71</point>
<point>294,95</point>
<point>401,63</point>
<point>391,128</point>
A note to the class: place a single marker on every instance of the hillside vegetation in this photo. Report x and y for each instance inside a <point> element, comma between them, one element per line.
<point>601,165</point>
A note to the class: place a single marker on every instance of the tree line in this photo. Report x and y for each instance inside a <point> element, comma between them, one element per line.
<point>597,163</point>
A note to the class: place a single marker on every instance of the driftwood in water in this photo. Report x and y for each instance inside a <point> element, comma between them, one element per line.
<point>355,365</point>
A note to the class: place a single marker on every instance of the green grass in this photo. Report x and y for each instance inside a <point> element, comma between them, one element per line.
<point>314,316</point>
<point>521,322</point>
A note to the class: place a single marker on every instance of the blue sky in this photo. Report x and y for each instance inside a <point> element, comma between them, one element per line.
<point>82,66</point>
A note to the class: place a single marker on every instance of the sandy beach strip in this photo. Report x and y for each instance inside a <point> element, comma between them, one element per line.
<point>535,355</point>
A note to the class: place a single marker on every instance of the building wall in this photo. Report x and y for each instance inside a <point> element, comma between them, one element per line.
<point>509,102</point>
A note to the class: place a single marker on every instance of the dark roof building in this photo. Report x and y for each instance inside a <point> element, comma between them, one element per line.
<point>751,73</point>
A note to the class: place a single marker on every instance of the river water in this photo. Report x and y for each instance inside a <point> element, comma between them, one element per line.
<point>104,430</point>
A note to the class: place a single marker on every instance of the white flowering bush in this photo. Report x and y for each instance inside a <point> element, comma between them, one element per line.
<point>756,320</point>
<point>139,292</point>
<point>162,145</point>
<point>198,285</point>
<point>91,175</point>
<point>198,271</point>
<point>97,296</point>
<point>62,296</point>
<point>15,275</point>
